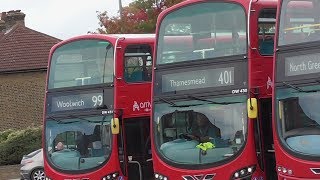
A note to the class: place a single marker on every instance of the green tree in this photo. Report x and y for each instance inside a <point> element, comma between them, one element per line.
<point>139,16</point>
<point>16,143</point>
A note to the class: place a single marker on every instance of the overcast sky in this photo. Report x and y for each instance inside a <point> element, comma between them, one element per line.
<point>62,18</point>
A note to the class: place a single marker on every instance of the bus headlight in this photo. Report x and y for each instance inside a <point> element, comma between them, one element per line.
<point>111,176</point>
<point>284,170</point>
<point>158,176</point>
<point>243,173</point>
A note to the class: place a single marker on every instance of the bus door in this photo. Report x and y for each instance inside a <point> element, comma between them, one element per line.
<point>138,148</point>
<point>261,74</point>
<point>265,126</point>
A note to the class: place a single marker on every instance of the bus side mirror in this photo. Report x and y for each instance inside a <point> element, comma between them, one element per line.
<point>115,126</point>
<point>252,108</point>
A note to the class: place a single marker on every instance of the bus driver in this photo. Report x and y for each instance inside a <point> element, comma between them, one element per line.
<point>203,130</point>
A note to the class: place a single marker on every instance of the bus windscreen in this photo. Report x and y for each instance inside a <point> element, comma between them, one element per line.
<point>299,22</point>
<point>184,37</point>
<point>81,63</point>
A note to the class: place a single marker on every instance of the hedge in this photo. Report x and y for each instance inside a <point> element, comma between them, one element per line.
<point>16,143</point>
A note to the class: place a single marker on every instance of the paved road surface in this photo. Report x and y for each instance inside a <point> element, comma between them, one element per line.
<point>10,172</point>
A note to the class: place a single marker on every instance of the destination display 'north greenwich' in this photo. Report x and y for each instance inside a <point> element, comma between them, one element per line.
<point>302,64</point>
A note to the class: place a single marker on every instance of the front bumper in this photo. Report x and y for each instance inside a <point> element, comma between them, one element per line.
<point>24,174</point>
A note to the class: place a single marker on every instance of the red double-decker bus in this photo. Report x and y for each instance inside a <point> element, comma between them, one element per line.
<point>211,58</point>
<point>296,93</point>
<point>97,108</point>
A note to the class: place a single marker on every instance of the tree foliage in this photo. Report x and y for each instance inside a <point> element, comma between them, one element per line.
<point>139,16</point>
<point>16,143</point>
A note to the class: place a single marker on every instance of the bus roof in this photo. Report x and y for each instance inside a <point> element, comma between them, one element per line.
<point>245,3</point>
<point>133,36</point>
<point>145,38</point>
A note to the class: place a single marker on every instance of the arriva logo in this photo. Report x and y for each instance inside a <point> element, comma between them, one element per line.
<point>198,177</point>
<point>141,106</point>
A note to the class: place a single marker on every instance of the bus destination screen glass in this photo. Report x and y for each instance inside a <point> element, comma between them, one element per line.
<point>198,79</point>
<point>299,22</point>
<point>299,65</point>
<point>302,64</point>
<point>184,37</point>
<point>61,102</point>
<point>81,63</point>
<point>74,102</point>
<point>218,77</point>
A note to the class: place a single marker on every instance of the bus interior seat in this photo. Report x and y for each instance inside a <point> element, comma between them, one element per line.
<point>217,131</point>
<point>170,133</point>
<point>238,137</point>
<point>97,149</point>
<point>96,136</point>
<point>181,119</point>
<point>266,46</point>
<point>82,145</point>
<point>135,76</point>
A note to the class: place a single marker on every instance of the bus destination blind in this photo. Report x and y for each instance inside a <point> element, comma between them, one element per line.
<point>198,79</point>
<point>76,102</point>
<point>302,64</point>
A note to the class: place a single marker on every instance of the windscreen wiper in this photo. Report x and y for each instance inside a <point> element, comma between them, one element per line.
<point>61,122</point>
<point>292,86</point>
<point>212,102</point>
<point>175,105</point>
<point>299,89</point>
<point>51,117</point>
<point>81,118</point>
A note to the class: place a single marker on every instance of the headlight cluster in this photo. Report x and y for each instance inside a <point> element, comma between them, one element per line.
<point>284,170</point>
<point>244,173</point>
<point>111,176</point>
<point>158,176</point>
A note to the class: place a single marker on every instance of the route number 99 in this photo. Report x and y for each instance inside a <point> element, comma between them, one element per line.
<point>97,100</point>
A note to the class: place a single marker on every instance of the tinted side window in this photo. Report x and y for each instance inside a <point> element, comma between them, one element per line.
<point>138,63</point>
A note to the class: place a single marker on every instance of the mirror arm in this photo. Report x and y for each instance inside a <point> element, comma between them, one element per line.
<point>254,91</point>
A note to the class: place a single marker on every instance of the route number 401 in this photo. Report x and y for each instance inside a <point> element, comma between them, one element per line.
<point>225,77</point>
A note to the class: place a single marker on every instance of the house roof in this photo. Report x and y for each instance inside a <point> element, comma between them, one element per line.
<point>24,49</point>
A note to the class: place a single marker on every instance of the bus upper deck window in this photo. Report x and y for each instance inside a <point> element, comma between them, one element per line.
<point>137,63</point>
<point>266,31</point>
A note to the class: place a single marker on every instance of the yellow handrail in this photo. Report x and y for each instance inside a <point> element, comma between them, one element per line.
<point>300,27</point>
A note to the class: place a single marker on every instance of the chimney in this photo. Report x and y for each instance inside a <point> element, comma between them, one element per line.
<point>11,18</point>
